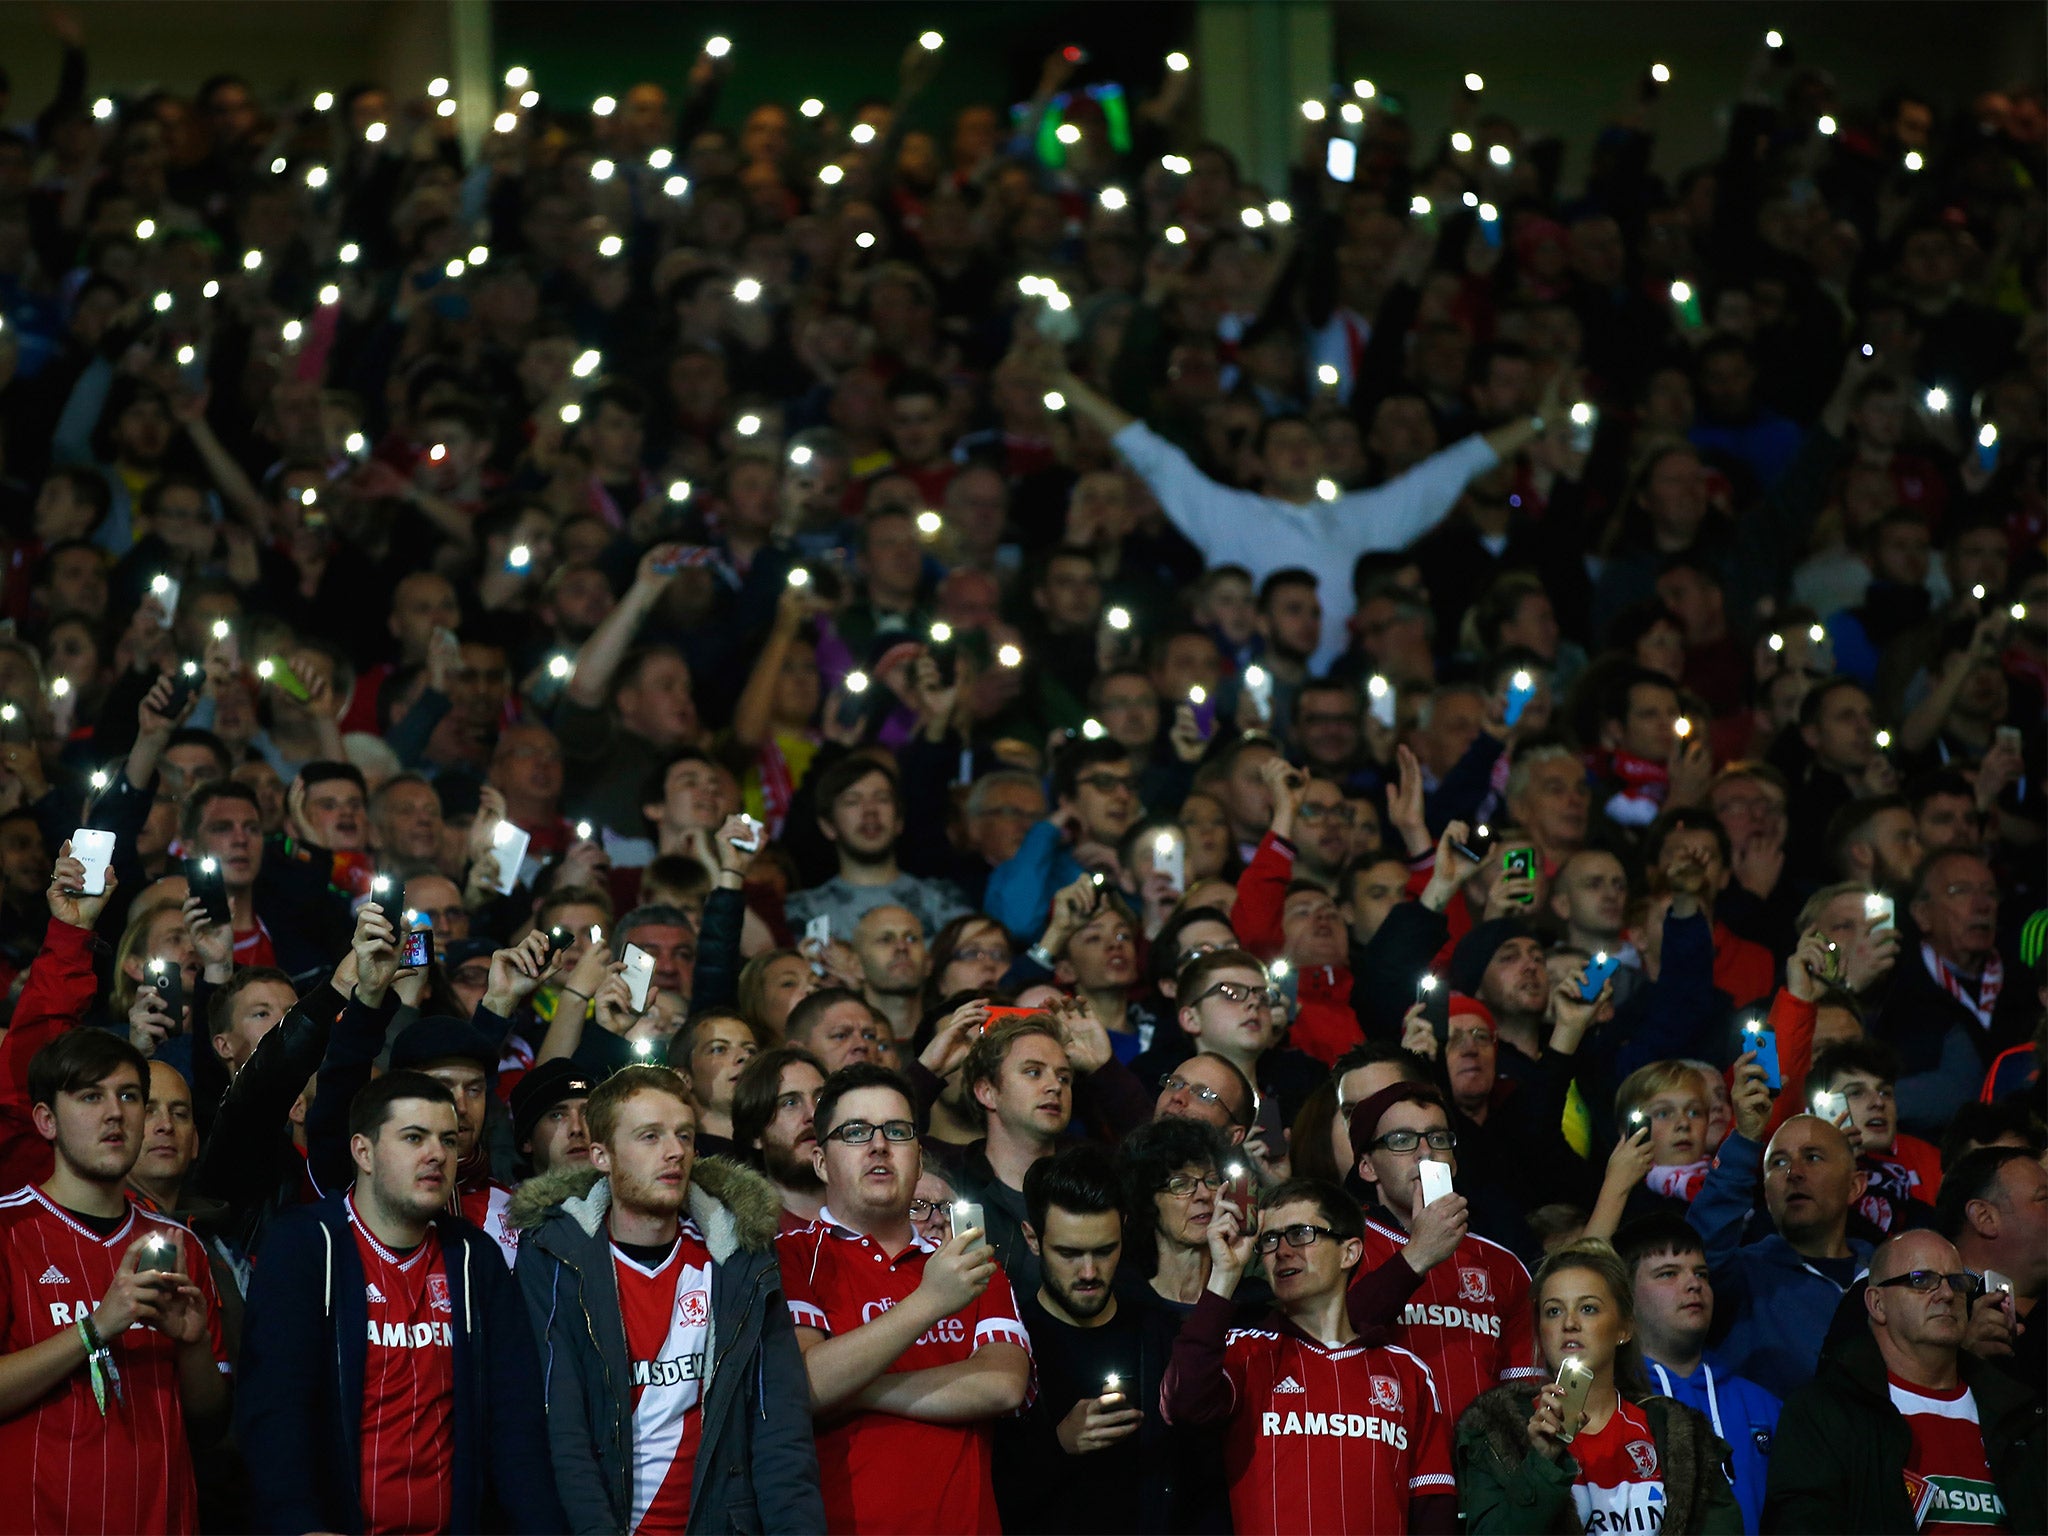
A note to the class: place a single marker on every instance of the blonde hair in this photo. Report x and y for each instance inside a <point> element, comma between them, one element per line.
<point>1645,1083</point>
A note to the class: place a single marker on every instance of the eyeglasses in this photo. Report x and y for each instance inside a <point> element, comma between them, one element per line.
<point>1108,783</point>
<point>1231,992</point>
<point>1971,888</point>
<point>1340,813</point>
<point>1181,1185</point>
<point>1924,1281</point>
<point>858,1133</point>
<point>922,1210</point>
<point>1196,951</point>
<point>1300,1235</point>
<point>1182,1085</point>
<point>982,954</point>
<point>1408,1141</point>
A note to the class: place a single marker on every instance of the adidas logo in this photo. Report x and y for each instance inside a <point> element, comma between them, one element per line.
<point>1289,1384</point>
<point>54,1276</point>
<point>371,1293</point>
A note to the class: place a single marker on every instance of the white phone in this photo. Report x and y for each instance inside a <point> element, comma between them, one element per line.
<point>1831,1106</point>
<point>1384,702</point>
<point>752,842</point>
<point>1340,160</point>
<point>1258,683</point>
<point>1882,911</point>
<point>509,843</point>
<point>1170,857</point>
<point>639,976</point>
<point>967,1217</point>
<point>95,850</point>
<point>167,589</point>
<point>1436,1179</point>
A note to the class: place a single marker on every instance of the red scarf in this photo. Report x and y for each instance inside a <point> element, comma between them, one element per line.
<point>1980,996</point>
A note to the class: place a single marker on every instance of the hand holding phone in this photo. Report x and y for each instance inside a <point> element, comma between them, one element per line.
<point>509,843</point>
<point>1435,1178</point>
<point>968,1217</point>
<point>95,850</point>
<point>639,976</point>
<point>1598,969</point>
<point>1765,1043</point>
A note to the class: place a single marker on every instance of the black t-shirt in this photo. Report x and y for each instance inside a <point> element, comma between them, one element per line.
<point>1039,1487</point>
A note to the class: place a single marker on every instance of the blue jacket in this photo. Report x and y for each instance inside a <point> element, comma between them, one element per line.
<point>1779,1306</point>
<point>1021,888</point>
<point>299,1397</point>
<point>1743,1414</point>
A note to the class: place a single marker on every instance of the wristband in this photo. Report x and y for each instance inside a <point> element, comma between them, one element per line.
<point>99,1365</point>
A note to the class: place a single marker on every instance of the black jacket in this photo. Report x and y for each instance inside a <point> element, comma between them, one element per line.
<point>757,1465</point>
<point>299,1398</point>
<point>1839,1460</point>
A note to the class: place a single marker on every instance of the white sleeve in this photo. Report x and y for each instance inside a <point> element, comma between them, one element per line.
<point>1216,518</point>
<point>1393,515</point>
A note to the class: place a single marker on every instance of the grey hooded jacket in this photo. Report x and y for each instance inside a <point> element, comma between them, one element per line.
<point>757,1465</point>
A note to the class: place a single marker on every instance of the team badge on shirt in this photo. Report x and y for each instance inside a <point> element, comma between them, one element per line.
<point>1644,1455</point>
<point>1474,1285</point>
<point>437,1293</point>
<point>1386,1394</point>
<point>693,1307</point>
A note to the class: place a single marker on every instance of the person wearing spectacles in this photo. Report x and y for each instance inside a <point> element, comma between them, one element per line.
<point>1464,1305</point>
<point>1209,1088</point>
<point>1281,1390</point>
<point>912,1349</point>
<point>1223,1008</point>
<point>1095,800</point>
<point>1905,1413</point>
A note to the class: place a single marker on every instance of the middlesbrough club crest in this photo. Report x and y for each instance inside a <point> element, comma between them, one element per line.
<point>1386,1394</point>
<point>437,1293</point>
<point>1644,1455</point>
<point>693,1308</point>
<point>1474,1285</point>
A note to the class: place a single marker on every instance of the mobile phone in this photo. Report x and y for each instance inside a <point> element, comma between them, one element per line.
<point>210,884</point>
<point>559,939</point>
<point>1585,421</point>
<point>185,682</point>
<point>1765,1043</point>
<point>853,699</point>
<point>1576,1378</point>
<point>167,981</point>
<point>1519,861</point>
<point>160,1253</point>
<point>967,1217</point>
<point>1383,701</point>
<point>818,930</point>
<point>1521,690</point>
<point>1831,1106</point>
<point>1598,969</point>
<point>274,669</point>
<point>417,948</point>
<point>1821,653</point>
<point>752,842</point>
<point>1258,683</point>
<point>1996,1284</point>
<point>639,976</point>
<point>1204,710</point>
<point>385,891</point>
<point>95,850</point>
<point>1881,911</point>
<point>1340,159</point>
<point>167,589</point>
<point>2009,736</point>
<point>1436,1179</point>
<point>1237,1184</point>
<point>1170,857</point>
<point>509,843</point>
<point>939,645</point>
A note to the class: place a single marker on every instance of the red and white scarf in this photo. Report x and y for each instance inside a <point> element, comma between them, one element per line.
<point>1980,996</point>
<point>1681,1182</point>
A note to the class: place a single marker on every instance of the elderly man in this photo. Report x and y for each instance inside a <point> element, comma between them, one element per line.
<point>1906,1430</point>
<point>1781,1290</point>
<point>1957,1003</point>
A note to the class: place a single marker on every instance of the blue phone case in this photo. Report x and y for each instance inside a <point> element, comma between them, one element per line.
<point>1518,700</point>
<point>1597,972</point>
<point>1765,1043</point>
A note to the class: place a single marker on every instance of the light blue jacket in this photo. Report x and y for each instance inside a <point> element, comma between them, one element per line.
<point>1743,1414</point>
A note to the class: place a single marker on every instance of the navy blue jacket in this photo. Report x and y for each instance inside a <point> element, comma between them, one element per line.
<point>299,1394</point>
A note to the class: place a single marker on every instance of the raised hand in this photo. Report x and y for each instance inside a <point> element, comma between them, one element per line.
<point>66,896</point>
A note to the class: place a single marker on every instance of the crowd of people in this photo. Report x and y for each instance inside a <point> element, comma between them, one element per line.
<point>783,816</point>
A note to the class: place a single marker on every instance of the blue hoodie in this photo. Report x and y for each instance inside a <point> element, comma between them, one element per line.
<point>1743,1414</point>
<point>299,1392</point>
<point>1778,1305</point>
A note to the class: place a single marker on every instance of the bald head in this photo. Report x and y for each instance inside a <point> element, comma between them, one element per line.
<point>1916,1249</point>
<point>890,942</point>
<point>1810,1181</point>
<point>1918,1331</point>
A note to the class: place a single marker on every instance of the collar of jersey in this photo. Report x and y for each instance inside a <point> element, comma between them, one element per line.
<point>842,1231</point>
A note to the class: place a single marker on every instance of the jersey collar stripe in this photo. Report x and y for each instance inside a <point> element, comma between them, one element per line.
<point>1906,1400</point>
<point>370,1237</point>
<point>1385,1231</point>
<point>839,1229</point>
<point>83,1231</point>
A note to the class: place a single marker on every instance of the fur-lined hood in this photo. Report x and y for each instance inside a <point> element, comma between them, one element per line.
<point>735,1207</point>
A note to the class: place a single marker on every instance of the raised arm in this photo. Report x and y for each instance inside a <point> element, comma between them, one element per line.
<point>599,656</point>
<point>842,1367</point>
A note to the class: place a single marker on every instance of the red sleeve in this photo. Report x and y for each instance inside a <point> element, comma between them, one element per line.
<point>995,1316</point>
<point>1518,1357</point>
<point>1429,1448</point>
<point>793,1253</point>
<point>1792,1022</point>
<point>1261,893</point>
<point>1199,1387</point>
<point>1378,1294</point>
<point>56,997</point>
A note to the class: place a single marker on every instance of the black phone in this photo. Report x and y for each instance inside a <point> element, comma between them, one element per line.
<point>210,885</point>
<point>418,948</point>
<point>387,891</point>
<point>559,939</point>
<point>186,679</point>
<point>941,647</point>
<point>167,981</point>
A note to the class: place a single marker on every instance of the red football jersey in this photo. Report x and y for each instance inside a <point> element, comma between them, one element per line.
<point>408,1435</point>
<point>668,1320</point>
<point>1468,1320</point>
<point>1329,1439</point>
<point>1947,1475</point>
<point>65,1466</point>
<point>880,1472</point>
<point>488,1206</point>
<point>1620,1486</point>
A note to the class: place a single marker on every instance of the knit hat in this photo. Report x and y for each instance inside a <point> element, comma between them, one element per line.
<point>550,1083</point>
<point>443,1038</point>
<point>1460,1004</point>
<point>1476,950</point>
<point>1367,1113</point>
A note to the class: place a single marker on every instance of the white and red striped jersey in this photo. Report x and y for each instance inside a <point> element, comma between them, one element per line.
<point>1947,1474</point>
<point>408,1428</point>
<point>489,1206</point>
<point>879,1472</point>
<point>67,1467</point>
<point>1324,1439</point>
<point>1469,1320</point>
<point>668,1319</point>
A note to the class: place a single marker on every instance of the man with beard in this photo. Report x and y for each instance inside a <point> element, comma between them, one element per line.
<point>860,813</point>
<point>1075,1459</point>
<point>772,1107</point>
<point>1021,1084</point>
<point>550,1126</point>
<point>103,1289</point>
<point>894,965</point>
<point>913,1349</point>
<point>639,1271</point>
<point>439,1413</point>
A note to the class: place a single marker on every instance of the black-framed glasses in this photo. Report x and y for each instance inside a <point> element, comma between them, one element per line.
<point>1408,1141</point>
<point>1231,992</point>
<point>858,1133</point>
<point>1301,1235</point>
<point>1182,1185</point>
<point>1923,1282</point>
<point>1182,1085</point>
<point>922,1210</point>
